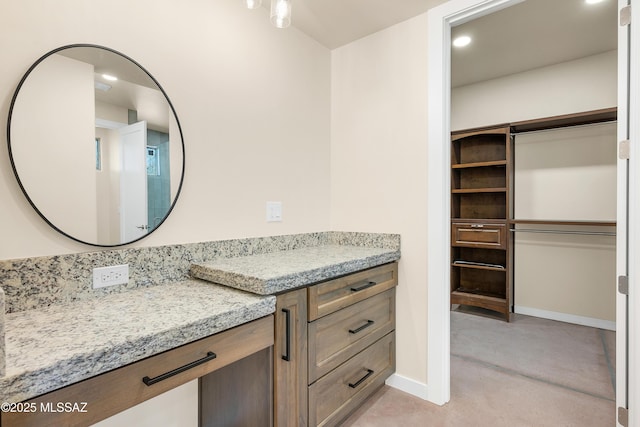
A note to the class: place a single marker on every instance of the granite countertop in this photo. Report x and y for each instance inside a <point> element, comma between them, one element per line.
<point>52,347</point>
<point>271,273</point>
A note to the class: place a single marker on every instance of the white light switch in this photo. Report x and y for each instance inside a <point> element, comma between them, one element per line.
<point>274,211</point>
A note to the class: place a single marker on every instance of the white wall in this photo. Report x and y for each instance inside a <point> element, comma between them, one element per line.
<point>378,163</point>
<point>584,84</point>
<point>253,102</point>
<point>176,408</point>
<point>566,174</point>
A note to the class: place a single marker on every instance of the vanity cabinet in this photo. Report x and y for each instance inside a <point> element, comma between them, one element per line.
<point>340,336</point>
<point>107,394</point>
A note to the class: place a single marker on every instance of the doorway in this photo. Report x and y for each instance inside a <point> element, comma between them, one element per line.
<point>441,20</point>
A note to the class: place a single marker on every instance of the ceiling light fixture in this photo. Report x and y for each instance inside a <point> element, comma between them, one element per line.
<point>281,13</point>
<point>253,4</point>
<point>593,1</point>
<point>461,41</point>
<point>109,77</point>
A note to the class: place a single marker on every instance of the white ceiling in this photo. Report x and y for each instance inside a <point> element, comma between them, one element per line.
<point>529,35</point>
<point>533,34</point>
<point>335,23</point>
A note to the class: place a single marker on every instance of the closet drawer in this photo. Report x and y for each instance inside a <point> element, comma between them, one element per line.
<point>335,338</point>
<point>338,393</point>
<point>122,388</point>
<point>328,297</point>
<point>479,235</point>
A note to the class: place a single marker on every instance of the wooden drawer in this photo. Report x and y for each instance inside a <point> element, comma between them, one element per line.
<point>338,393</point>
<point>479,235</point>
<point>328,297</point>
<point>114,391</point>
<point>338,336</point>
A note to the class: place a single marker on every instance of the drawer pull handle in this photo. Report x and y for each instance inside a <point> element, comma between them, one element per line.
<point>363,287</point>
<point>150,381</point>
<point>366,325</point>
<point>287,314</point>
<point>477,225</point>
<point>361,380</point>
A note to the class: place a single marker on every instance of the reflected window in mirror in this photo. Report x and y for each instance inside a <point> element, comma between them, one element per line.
<point>98,155</point>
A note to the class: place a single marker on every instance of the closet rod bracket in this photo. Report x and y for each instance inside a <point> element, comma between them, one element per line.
<point>625,16</point>
<point>623,149</point>
<point>623,416</point>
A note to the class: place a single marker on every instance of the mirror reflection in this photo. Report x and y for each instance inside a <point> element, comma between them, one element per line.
<point>96,145</point>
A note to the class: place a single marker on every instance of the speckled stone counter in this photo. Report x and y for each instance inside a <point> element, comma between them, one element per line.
<point>34,283</point>
<point>59,330</point>
<point>271,273</point>
<point>2,345</point>
<point>52,347</point>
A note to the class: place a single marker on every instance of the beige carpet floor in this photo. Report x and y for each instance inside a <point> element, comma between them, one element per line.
<point>529,372</point>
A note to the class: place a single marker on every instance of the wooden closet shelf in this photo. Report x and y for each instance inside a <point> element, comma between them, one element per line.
<point>489,301</point>
<point>478,266</point>
<point>563,222</point>
<point>478,190</point>
<point>576,119</point>
<point>480,199</point>
<point>479,164</point>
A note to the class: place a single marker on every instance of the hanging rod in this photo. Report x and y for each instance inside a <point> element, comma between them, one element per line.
<point>583,125</point>
<point>583,233</point>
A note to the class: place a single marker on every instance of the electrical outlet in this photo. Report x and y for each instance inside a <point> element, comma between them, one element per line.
<point>110,276</point>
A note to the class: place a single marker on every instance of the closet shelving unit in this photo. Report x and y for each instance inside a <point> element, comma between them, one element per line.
<point>482,209</point>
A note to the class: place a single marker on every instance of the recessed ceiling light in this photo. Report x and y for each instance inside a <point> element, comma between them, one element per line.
<point>110,77</point>
<point>102,86</point>
<point>593,1</point>
<point>461,41</point>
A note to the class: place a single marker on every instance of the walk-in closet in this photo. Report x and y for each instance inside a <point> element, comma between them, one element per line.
<point>533,218</point>
<point>534,156</point>
<point>564,194</point>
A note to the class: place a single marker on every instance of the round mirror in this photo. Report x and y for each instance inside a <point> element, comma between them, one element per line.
<point>96,145</point>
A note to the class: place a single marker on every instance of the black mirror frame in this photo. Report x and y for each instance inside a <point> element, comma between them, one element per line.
<point>15,171</point>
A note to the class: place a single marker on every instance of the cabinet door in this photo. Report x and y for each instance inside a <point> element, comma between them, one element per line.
<point>290,359</point>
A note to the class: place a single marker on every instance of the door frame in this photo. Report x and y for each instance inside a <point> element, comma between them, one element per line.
<point>440,21</point>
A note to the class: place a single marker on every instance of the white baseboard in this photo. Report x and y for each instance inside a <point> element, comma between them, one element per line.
<point>568,318</point>
<point>408,385</point>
